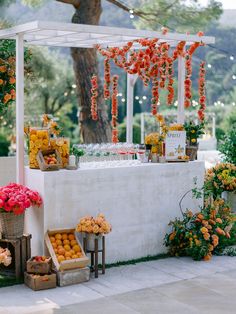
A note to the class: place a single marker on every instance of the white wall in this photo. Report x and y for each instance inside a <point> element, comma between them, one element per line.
<point>7,170</point>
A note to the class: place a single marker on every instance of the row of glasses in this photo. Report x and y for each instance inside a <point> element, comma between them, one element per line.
<point>109,153</point>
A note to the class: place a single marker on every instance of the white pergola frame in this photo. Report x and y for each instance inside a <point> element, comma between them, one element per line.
<point>53,34</point>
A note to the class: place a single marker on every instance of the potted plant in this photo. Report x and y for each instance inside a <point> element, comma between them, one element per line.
<point>94,228</point>
<point>14,200</point>
<point>74,158</point>
<point>193,132</point>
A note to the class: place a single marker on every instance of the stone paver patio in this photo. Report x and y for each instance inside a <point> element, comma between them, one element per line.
<point>173,285</point>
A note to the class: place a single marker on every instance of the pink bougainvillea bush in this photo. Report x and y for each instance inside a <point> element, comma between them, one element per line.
<point>17,198</point>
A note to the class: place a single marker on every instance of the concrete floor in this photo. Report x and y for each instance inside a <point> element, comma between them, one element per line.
<point>173,285</point>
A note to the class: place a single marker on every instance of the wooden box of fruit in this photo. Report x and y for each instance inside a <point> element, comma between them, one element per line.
<point>40,282</point>
<point>49,160</point>
<point>65,250</point>
<point>39,265</point>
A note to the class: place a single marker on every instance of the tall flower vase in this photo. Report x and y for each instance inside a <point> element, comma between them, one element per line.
<point>11,225</point>
<point>90,237</point>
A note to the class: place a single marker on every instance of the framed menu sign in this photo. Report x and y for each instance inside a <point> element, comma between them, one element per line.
<point>175,144</point>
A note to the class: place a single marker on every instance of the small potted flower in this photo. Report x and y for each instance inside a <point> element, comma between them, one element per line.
<point>14,200</point>
<point>74,157</point>
<point>94,228</point>
<point>193,132</point>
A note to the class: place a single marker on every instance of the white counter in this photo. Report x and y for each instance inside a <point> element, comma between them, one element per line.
<point>138,201</point>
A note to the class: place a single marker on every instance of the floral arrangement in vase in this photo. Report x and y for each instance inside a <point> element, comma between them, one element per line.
<point>221,178</point>
<point>5,257</point>
<point>98,225</point>
<point>16,198</point>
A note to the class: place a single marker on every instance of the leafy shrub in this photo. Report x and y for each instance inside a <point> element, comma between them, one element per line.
<point>4,146</point>
<point>228,146</point>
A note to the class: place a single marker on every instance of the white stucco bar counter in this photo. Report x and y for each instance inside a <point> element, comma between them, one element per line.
<point>138,200</point>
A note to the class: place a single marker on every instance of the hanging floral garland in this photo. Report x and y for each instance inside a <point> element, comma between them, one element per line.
<point>114,108</point>
<point>154,65</point>
<point>201,89</point>
<point>94,91</point>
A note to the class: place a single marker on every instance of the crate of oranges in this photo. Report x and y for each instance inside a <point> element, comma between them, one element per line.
<point>65,250</point>
<point>49,160</point>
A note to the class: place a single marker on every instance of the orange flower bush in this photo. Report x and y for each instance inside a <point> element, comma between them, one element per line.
<point>199,235</point>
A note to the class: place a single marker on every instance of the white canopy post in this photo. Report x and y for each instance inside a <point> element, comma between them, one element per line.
<point>131,79</point>
<point>20,108</point>
<point>181,79</point>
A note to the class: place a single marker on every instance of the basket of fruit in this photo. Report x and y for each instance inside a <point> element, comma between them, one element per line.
<point>49,160</point>
<point>39,265</point>
<point>65,249</point>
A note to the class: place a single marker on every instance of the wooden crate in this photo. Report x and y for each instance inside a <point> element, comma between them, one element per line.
<point>43,165</point>
<point>71,277</point>
<point>40,282</point>
<point>67,264</point>
<point>39,267</point>
<point>20,249</point>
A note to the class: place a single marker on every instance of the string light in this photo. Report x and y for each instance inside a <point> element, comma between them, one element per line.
<point>137,97</point>
<point>234,77</point>
<point>123,99</point>
<point>131,16</point>
<point>231,58</point>
<point>144,97</point>
<point>73,86</point>
<point>131,11</point>
<point>209,66</point>
<point>140,101</point>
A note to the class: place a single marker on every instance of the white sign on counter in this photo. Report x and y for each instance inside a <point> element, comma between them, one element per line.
<point>175,144</point>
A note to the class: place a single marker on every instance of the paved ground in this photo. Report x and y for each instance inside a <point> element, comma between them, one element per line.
<point>173,285</point>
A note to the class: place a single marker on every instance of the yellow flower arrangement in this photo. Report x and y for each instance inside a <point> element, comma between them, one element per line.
<point>152,139</point>
<point>176,127</point>
<point>97,225</point>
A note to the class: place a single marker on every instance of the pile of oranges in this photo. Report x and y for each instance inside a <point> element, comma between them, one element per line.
<point>38,139</point>
<point>65,246</point>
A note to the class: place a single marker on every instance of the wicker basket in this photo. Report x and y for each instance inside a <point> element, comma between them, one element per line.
<point>11,225</point>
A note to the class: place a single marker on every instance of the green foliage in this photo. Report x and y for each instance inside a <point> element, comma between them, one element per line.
<point>78,152</point>
<point>228,146</point>
<point>136,133</point>
<point>179,15</point>
<point>4,145</point>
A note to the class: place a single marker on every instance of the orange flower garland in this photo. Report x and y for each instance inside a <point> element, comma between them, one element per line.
<point>201,89</point>
<point>107,78</point>
<point>114,108</point>
<point>94,109</point>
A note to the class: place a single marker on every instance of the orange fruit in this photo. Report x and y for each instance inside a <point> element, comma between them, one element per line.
<point>76,248</point>
<point>74,256</point>
<point>71,236</point>
<point>67,254</point>
<point>73,242</point>
<point>79,255</point>
<point>58,242</point>
<point>64,236</point>
<point>61,251</point>
<point>66,242</point>
<point>54,245</point>
<point>67,247</point>
<point>72,252</point>
<point>60,247</point>
<point>58,236</point>
<point>60,258</point>
<point>56,251</point>
<point>52,239</point>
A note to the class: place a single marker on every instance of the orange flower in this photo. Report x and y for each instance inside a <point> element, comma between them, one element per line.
<point>220,231</point>
<point>3,68</point>
<point>206,236</point>
<point>204,230</point>
<point>219,220</point>
<point>12,80</point>
<point>1,82</point>
<point>7,97</point>
<point>207,257</point>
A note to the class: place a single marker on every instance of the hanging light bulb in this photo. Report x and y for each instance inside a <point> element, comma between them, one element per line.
<point>123,99</point>
<point>231,58</point>
<point>131,16</point>
<point>209,66</point>
<point>140,101</point>
<point>234,77</point>
<point>131,11</point>
<point>137,97</point>
<point>144,97</point>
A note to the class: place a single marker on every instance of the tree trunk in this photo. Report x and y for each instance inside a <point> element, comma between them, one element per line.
<point>85,65</point>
